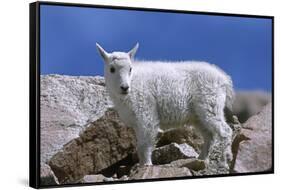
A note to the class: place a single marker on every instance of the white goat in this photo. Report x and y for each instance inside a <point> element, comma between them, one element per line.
<point>154,95</point>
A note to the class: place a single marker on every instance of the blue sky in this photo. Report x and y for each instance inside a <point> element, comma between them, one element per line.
<point>240,46</point>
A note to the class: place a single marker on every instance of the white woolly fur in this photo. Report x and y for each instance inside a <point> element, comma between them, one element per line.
<point>162,95</point>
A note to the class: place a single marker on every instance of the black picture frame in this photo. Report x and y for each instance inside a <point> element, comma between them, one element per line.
<point>34,90</point>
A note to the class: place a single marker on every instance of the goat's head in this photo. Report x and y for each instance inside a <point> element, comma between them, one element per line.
<point>118,70</point>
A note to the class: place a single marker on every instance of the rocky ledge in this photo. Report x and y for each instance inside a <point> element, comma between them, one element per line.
<point>83,140</point>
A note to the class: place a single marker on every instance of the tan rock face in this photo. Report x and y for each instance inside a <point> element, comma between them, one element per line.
<point>104,143</point>
<point>162,171</point>
<point>255,150</point>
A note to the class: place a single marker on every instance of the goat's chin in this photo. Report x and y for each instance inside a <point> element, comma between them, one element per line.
<point>120,94</point>
<point>124,93</point>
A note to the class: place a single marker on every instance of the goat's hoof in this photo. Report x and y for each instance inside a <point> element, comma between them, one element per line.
<point>145,165</point>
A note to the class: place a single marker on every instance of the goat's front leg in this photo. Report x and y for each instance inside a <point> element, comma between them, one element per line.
<point>144,153</point>
<point>146,135</point>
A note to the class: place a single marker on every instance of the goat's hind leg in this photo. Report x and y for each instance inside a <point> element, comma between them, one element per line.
<point>222,135</point>
<point>217,133</point>
<point>216,150</point>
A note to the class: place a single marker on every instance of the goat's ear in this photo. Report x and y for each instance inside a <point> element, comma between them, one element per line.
<point>102,52</point>
<point>133,51</point>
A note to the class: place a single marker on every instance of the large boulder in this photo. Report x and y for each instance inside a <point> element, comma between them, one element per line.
<point>102,144</point>
<point>249,103</point>
<point>67,104</point>
<point>254,153</point>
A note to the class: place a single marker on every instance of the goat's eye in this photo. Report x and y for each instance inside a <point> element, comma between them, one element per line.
<point>130,69</point>
<point>112,69</point>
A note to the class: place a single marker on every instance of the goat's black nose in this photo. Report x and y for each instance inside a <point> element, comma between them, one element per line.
<point>124,88</point>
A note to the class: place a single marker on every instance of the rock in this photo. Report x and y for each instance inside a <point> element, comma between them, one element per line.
<point>108,179</point>
<point>67,104</point>
<point>124,178</point>
<point>193,164</point>
<point>186,134</point>
<point>102,144</point>
<point>249,103</point>
<point>254,153</point>
<point>47,177</point>
<point>161,171</point>
<point>171,152</point>
<point>92,178</point>
<point>78,105</point>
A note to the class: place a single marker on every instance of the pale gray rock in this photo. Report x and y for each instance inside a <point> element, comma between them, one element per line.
<point>160,171</point>
<point>92,178</point>
<point>67,104</point>
<point>254,153</point>
<point>171,152</point>
<point>249,103</point>
<point>107,179</point>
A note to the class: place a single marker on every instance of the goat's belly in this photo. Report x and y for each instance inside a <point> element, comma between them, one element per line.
<point>174,109</point>
<point>174,120</point>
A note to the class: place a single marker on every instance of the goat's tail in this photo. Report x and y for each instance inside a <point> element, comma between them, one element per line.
<point>229,94</point>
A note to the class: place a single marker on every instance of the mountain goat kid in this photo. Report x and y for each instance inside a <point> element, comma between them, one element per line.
<point>154,95</point>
